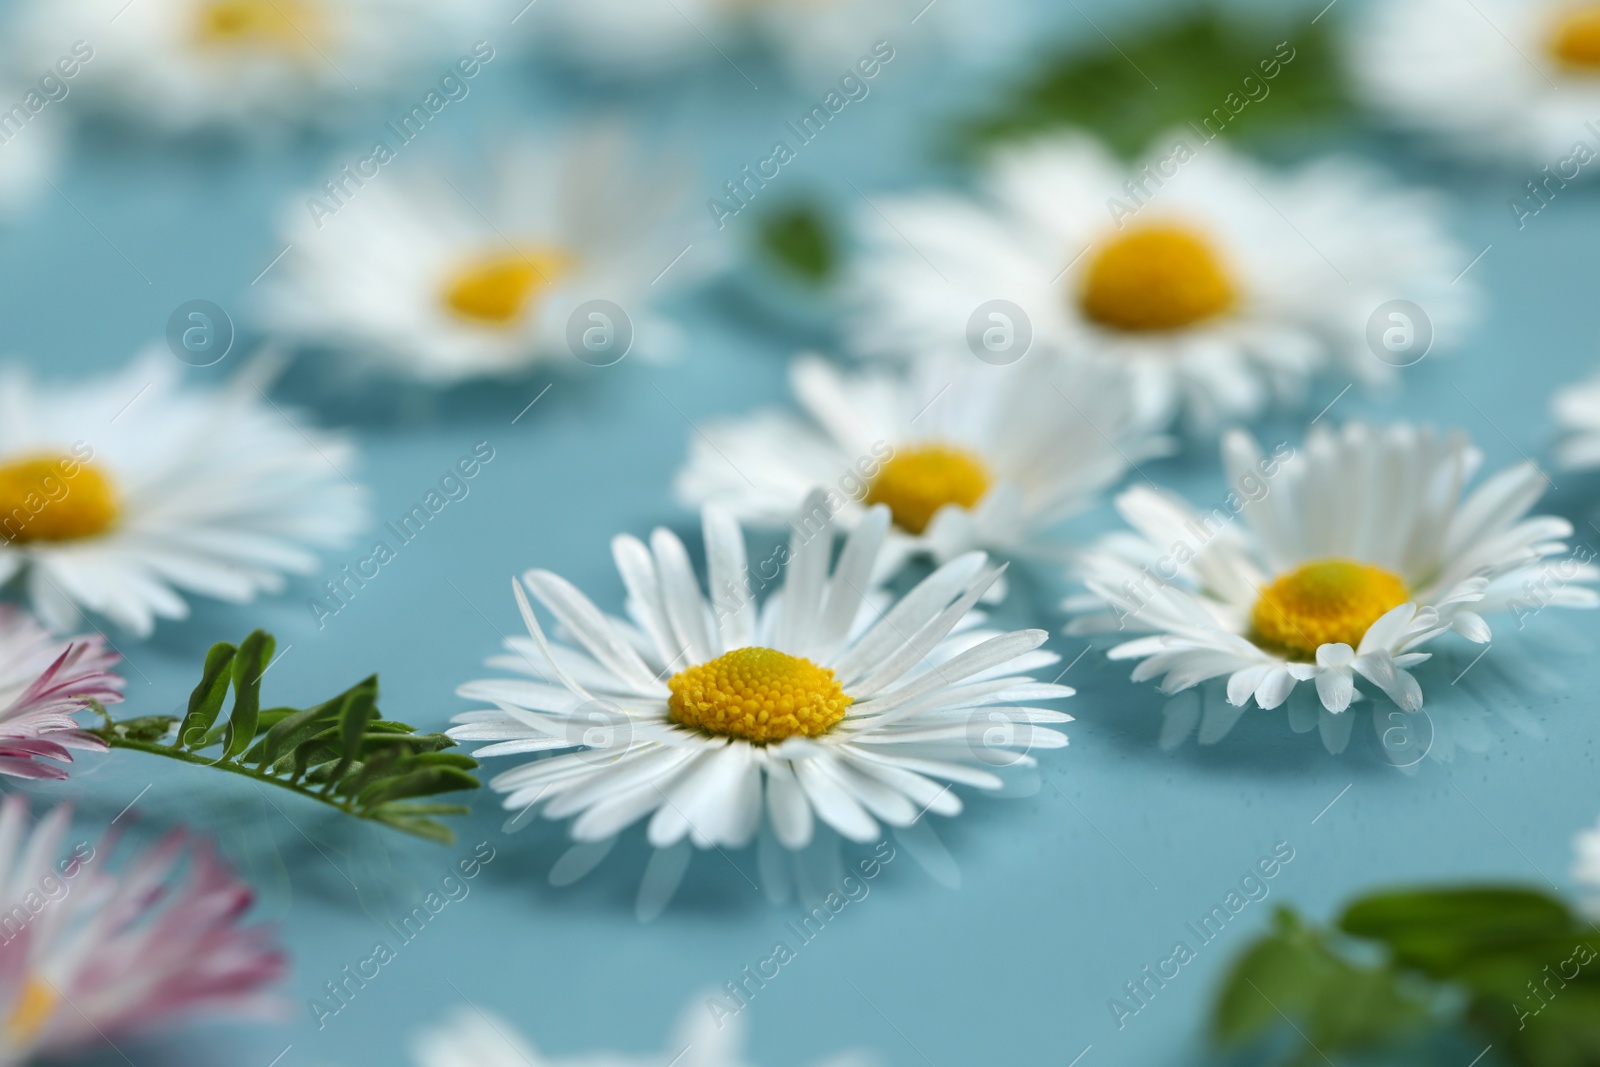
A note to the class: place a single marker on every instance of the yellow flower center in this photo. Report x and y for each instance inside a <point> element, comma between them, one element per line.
<point>758,695</point>
<point>497,290</point>
<point>1156,277</point>
<point>1327,601</point>
<point>1575,39</point>
<point>52,498</point>
<point>33,1010</point>
<point>916,482</point>
<point>276,25</point>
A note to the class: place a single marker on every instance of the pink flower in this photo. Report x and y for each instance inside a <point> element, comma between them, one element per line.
<point>88,954</point>
<point>44,682</point>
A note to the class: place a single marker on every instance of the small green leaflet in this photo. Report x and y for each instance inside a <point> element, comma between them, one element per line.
<point>1200,62</point>
<point>1514,968</point>
<point>800,240</point>
<point>341,752</point>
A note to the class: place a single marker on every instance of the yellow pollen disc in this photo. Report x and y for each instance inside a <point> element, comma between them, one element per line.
<point>33,1010</point>
<point>1156,277</point>
<point>916,482</point>
<point>280,25</point>
<point>497,290</point>
<point>50,498</point>
<point>758,695</point>
<point>1575,39</point>
<point>1327,601</point>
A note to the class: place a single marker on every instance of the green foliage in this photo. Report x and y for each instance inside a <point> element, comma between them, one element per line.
<point>800,240</point>
<point>1196,61</point>
<point>341,752</point>
<point>1516,967</point>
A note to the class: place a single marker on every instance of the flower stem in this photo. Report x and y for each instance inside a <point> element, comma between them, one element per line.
<point>109,735</point>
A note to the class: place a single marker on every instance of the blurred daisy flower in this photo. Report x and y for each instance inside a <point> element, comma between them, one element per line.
<point>1222,287</point>
<point>711,714</point>
<point>964,454</point>
<point>1351,558</point>
<point>442,281</point>
<point>472,1038</point>
<point>44,683</point>
<point>91,955</point>
<point>183,65</point>
<point>1514,79</point>
<point>117,495</point>
<point>1586,868</point>
<point>1576,411</point>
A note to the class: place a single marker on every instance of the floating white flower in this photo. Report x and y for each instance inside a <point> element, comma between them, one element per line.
<point>1351,558</point>
<point>1514,79</point>
<point>1220,285</point>
<point>443,280</point>
<point>90,955</point>
<point>710,716</point>
<point>1576,410</point>
<point>965,455</point>
<point>183,65</point>
<point>472,1038</point>
<point>44,683</point>
<point>117,494</point>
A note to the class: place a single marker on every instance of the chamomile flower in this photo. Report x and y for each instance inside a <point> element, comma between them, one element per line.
<point>1350,558</point>
<point>964,454</point>
<point>471,1038</point>
<point>712,715</point>
<point>1220,286</point>
<point>1576,411</point>
<point>184,65</point>
<point>117,496</point>
<point>409,277</point>
<point>44,683</point>
<point>1513,79</point>
<point>91,954</point>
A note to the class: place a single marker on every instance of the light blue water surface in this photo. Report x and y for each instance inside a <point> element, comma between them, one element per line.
<point>1065,894</point>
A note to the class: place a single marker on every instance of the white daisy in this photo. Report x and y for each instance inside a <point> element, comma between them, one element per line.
<point>965,455</point>
<point>117,495</point>
<point>182,65</point>
<point>1352,556</point>
<point>1586,868</point>
<point>1221,286</point>
<point>44,683</point>
<point>709,714</point>
<point>28,156</point>
<point>471,1038</point>
<point>818,38</point>
<point>89,954</point>
<point>1576,411</point>
<point>410,277</point>
<point>1516,79</point>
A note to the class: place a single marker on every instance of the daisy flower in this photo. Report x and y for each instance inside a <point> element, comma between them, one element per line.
<point>184,65</point>
<point>118,495</point>
<point>709,714</point>
<point>44,682</point>
<point>1221,286</point>
<point>813,38</point>
<point>471,1038</point>
<point>964,454</point>
<point>411,278</point>
<point>1350,559</point>
<point>90,955</point>
<point>1586,867</point>
<point>1576,411</point>
<point>1514,79</point>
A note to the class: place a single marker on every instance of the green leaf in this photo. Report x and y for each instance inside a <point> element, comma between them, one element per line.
<point>800,240</point>
<point>206,700</point>
<point>1442,931</point>
<point>365,765</point>
<point>255,652</point>
<point>1200,63</point>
